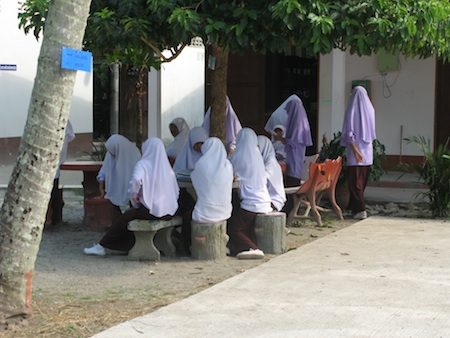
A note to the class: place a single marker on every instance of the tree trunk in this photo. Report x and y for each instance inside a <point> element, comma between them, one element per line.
<point>217,126</point>
<point>26,199</point>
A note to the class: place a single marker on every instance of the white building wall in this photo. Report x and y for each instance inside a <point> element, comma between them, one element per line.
<point>409,101</point>
<point>177,90</point>
<point>403,99</point>
<point>15,86</point>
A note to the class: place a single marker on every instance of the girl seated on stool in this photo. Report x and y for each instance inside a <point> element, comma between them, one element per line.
<point>115,173</point>
<point>273,170</point>
<point>154,193</point>
<point>191,151</point>
<point>248,166</point>
<point>212,179</point>
<point>180,132</point>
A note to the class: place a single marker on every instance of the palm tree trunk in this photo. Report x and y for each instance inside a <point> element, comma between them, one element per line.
<point>219,93</point>
<point>26,199</point>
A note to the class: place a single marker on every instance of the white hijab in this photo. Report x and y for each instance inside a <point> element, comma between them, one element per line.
<point>68,137</point>
<point>279,116</point>
<point>180,140</point>
<point>278,146</point>
<point>248,166</point>
<point>273,169</point>
<point>212,179</point>
<point>118,166</point>
<point>155,179</point>
<point>187,158</point>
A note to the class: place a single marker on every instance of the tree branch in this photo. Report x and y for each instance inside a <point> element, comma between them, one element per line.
<point>175,52</point>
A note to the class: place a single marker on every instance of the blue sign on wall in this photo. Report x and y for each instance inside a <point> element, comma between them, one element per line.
<point>8,67</point>
<point>73,59</point>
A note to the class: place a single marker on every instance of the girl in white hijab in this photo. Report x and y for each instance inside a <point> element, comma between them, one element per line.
<point>191,151</point>
<point>275,176</point>
<point>212,179</point>
<point>180,131</point>
<point>115,173</point>
<point>248,166</point>
<point>154,192</point>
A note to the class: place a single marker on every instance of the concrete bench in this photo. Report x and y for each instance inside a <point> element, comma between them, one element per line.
<point>209,240</point>
<point>146,231</point>
<point>270,230</point>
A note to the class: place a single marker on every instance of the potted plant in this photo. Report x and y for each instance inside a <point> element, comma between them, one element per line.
<point>333,149</point>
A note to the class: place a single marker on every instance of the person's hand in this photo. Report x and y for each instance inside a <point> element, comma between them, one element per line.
<point>101,188</point>
<point>135,200</point>
<point>358,155</point>
<point>277,137</point>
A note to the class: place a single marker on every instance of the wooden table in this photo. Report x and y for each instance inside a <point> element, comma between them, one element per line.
<point>97,211</point>
<point>90,171</point>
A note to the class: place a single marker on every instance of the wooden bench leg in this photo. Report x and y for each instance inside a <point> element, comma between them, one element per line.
<point>144,249</point>
<point>163,241</point>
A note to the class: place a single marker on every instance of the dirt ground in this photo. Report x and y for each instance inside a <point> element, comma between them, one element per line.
<point>75,295</point>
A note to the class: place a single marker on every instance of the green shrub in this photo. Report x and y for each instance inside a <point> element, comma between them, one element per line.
<point>435,173</point>
<point>333,150</point>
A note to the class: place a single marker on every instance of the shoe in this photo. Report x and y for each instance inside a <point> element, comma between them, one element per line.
<point>360,215</point>
<point>250,254</point>
<point>96,250</point>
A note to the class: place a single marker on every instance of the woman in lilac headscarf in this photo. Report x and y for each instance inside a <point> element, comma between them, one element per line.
<point>358,133</point>
<point>297,138</point>
<point>233,125</point>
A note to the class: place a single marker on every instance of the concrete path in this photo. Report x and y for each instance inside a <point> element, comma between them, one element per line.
<point>382,277</point>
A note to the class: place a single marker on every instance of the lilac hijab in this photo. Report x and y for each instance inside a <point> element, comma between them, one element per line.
<point>233,124</point>
<point>298,137</point>
<point>279,116</point>
<point>359,120</point>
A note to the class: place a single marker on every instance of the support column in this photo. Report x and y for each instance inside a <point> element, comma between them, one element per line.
<point>154,103</point>
<point>332,93</point>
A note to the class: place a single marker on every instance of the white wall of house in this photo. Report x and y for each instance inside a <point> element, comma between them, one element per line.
<point>15,86</point>
<point>407,101</point>
<point>177,90</point>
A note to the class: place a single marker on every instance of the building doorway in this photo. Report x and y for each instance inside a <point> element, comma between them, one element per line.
<point>258,84</point>
<point>442,113</point>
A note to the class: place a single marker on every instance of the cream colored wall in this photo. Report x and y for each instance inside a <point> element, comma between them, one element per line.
<point>177,90</point>
<point>404,98</point>
<point>15,86</point>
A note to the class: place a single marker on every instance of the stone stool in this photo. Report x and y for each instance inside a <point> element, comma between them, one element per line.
<point>270,232</point>
<point>209,240</point>
<point>145,230</point>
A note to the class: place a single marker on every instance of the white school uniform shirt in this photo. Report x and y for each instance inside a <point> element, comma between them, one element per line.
<point>275,176</point>
<point>118,167</point>
<point>278,146</point>
<point>212,179</point>
<point>153,181</point>
<point>180,140</point>
<point>248,166</point>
